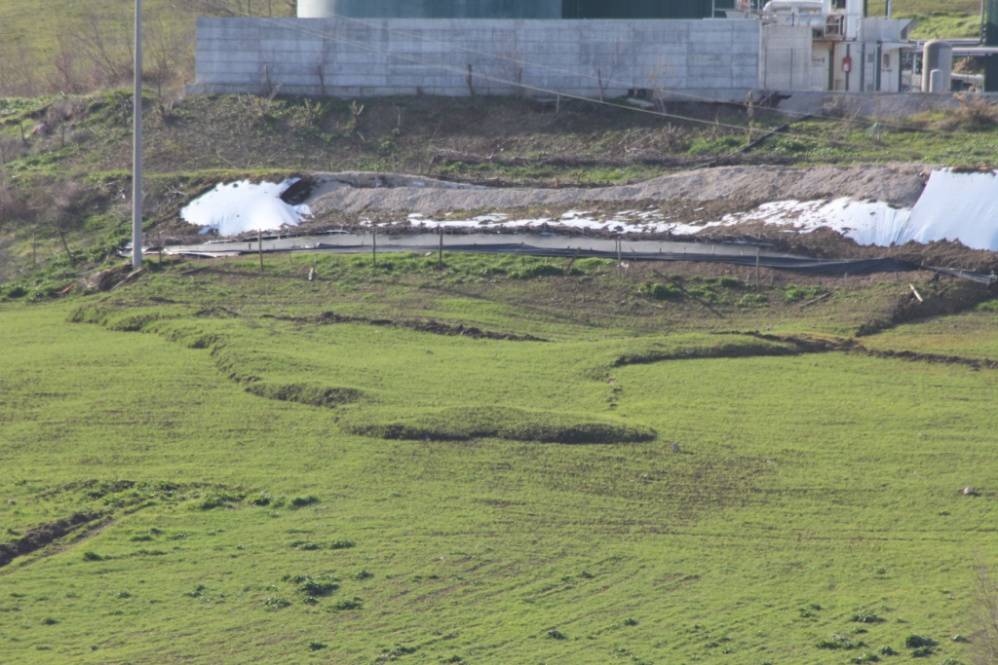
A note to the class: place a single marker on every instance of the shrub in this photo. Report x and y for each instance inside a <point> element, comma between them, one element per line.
<point>866,618</point>
<point>974,113</point>
<point>364,575</point>
<point>919,641</point>
<point>198,592</point>
<point>341,544</point>
<point>794,293</point>
<point>659,291</point>
<point>753,299</point>
<point>315,588</point>
<point>218,500</point>
<point>556,634</point>
<point>302,501</point>
<point>92,556</point>
<point>274,603</point>
<point>840,642</point>
<point>14,292</point>
<point>316,646</point>
<point>348,604</point>
<point>540,270</point>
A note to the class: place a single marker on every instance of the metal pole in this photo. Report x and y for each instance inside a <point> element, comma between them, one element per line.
<point>137,144</point>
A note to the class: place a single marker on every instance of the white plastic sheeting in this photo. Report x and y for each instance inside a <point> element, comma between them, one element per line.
<point>239,207</point>
<point>866,222</point>
<point>957,206</point>
<point>954,206</point>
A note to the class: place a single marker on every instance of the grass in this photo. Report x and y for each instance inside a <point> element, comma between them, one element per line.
<point>971,334</point>
<point>934,19</point>
<point>786,502</point>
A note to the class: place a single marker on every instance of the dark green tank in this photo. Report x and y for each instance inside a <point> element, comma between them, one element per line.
<point>527,9</point>
<point>989,33</point>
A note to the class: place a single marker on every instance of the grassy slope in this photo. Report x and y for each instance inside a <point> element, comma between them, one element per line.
<point>97,32</point>
<point>969,335</point>
<point>808,489</point>
<point>954,18</point>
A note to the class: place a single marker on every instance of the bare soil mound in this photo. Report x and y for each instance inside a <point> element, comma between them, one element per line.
<point>738,186</point>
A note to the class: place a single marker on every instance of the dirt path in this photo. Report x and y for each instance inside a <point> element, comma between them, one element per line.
<point>740,187</point>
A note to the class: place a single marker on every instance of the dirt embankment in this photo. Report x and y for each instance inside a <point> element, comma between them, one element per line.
<point>741,187</point>
<point>44,535</point>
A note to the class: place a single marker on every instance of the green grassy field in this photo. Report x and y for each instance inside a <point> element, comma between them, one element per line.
<point>230,441</point>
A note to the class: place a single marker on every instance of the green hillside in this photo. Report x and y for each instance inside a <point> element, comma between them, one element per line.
<point>232,475</point>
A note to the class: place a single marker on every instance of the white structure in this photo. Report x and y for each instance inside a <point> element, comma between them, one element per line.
<point>850,52</point>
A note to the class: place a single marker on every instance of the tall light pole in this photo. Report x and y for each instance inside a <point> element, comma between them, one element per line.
<point>137,144</point>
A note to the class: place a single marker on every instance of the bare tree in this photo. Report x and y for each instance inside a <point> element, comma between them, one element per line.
<point>65,215</point>
<point>66,75</point>
<point>104,42</point>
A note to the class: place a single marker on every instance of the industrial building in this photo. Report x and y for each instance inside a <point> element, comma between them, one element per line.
<point>717,50</point>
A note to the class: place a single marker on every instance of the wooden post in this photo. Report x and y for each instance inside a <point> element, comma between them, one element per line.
<point>259,247</point>
<point>757,252</point>
<point>374,246</point>
<point>440,251</point>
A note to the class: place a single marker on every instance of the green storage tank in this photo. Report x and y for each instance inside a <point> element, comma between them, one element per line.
<point>990,36</point>
<point>643,8</point>
<point>532,9</point>
<point>430,8</point>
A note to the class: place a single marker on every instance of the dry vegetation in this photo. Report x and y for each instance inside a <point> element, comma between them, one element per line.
<point>89,45</point>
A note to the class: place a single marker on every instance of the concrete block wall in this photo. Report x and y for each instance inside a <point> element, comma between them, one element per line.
<point>717,58</point>
<point>787,58</point>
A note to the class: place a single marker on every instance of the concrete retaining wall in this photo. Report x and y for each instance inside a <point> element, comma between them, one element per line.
<point>716,58</point>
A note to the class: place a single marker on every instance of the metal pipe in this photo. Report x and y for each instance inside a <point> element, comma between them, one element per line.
<point>137,143</point>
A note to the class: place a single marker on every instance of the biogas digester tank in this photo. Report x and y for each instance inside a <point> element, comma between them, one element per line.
<point>430,8</point>
<point>551,9</point>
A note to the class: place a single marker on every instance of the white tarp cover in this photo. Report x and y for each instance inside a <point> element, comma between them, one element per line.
<point>954,206</point>
<point>957,206</point>
<point>239,207</point>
